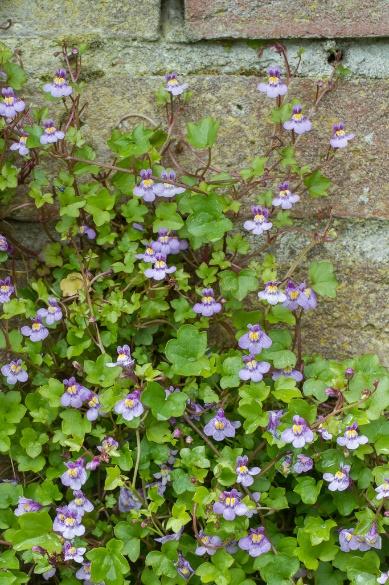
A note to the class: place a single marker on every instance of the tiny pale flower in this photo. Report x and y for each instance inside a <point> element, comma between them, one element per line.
<point>124,359</point>
<point>285,198</point>
<point>68,523</point>
<point>351,439</point>
<point>26,505</point>
<point>383,490</point>
<point>340,480</point>
<point>244,475</point>
<point>298,122</point>
<point>21,145</point>
<point>299,434</point>
<point>259,224</point>
<point>59,87</point>
<point>50,133</point>
<point>14,372</point>
<point>52,314</point>
<point>272,294</point>
<point>130,407</point>
<point>219,427</point>
<point>6,289</point>
<point>274,86</point>
<point>255,340</point>
<point>253,370</point>
<point>37,331</point>
<point>11,105</point>
<point>229,505</point>
<point>160,269</point>
<point>339,137</point>
<point>75,476</point>
<point>255,543</point>
<point>173,86</point>
<point>208,306</point>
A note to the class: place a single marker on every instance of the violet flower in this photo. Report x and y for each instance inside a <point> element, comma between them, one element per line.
<point>173,86</point>
<point>255,543</point>
<point>292,292</point>
<point>11,105</point>
<point>26,505</point>
<point>272,294</point>
<point>148,255</point>
<point>49,573</point>
<point>168,244</point>
<point>253,369</point>
<point>207,306</point>
<point>14,372</point>
<point>5,246</point>
<point>52,314</point>
<point>170,537</point>
<point>147,189</point>
<point>73,553</point>
<point>259,224</point>
<point>128,500</point>
<point>87,231</point>
<point>59,87</point>
<point>274,86</point>
<point>243,473</point>
<point>274,422</point>
<point>307,298</point>
<point>167,189</point>
<point>298,122</point>
<point>94,406</point>
<point>50,133</point>
<point>339,481</point>
<point>75,475</point>
<point>219,427</point>
<point>84,573</point>
<point>81,503</point>
<point>372,539</point>
<point>229,505</point>
<point>183,567</point>
<point>68,523</point>
<point>255,340</point>
<point>339,137</point>
<point>108,447</point>
<point>383,490</point>
<point>207,544</point>
<point>288,373</point>
<point>348,541</point>
<point>6,289</point>
<point>351,439</point>
<point>94,463</point>
<point>21,145</point>
<point>383,578</point>
<point>303,464</point>
<point>37,331</point>
<point>124,359</point>
<point>130,407</point>
<point>324,433</point>
<point>75,394</point>
<point>160,269</point>
<point>299,434</point>
<point>285,198</point>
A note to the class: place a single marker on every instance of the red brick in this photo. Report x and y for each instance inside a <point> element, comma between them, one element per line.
<point>277,19</point>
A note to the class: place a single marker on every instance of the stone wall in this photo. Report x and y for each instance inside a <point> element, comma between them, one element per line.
<point>132,43</point>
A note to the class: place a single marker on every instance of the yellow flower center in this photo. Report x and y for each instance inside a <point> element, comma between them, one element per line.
<point>50,130</point>
<point>207,300</point>
<point>348,536</point>
<point>79,501</point>
<point>251,364</point>
<point>51,309</point>
<point>72,550</point>
<point>73,472</point>
<point>72,389</point>
<point>122,356</point>
<point>243,469</point>
<point>70,521</point>
<point>230,501</point>
<point>297,429</point>
<point>9,100</point>
<point>173,81</point>
<point>297,117</point>
<point>4,288</point>
<point>219,425</point>
<point>273,80</point>
<point>26,506</point>
<point>149,252</point>
<point>184,570</point>
<point>351,434</point>
<point>259,217</point>
<point>205,539</point>
<point>294,294</point>
<point>59,80</point>
<point>254,335</point>
<point>272,288</point>
<point>23,139</point>
<point>148,183</point>
<point>256,538</point>
<point>129,403</point>
<point>36,326</point>
<point>339,475</point>
<point>93,401</point>
<point>160,264</point>
<point>308,292</point>
<point>164,239</point>
<point>284,193</point>
<point>340,132</point>
<point>15,368</point>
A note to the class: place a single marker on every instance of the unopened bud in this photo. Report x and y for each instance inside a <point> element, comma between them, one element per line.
<point>188,440</point>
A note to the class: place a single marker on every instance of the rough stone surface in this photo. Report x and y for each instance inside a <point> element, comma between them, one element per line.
<point>66,18</point>
<point>275,19</point>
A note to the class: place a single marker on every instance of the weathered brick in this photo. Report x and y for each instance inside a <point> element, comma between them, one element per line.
<point>65,18</point>
<point>275,19</point>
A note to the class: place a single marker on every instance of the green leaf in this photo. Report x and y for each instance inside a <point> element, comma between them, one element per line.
<point>163,407</point>
<point>167,217</point>
<point>36,529</point>
<point>308,489</point>
<point>187,352</point>
<point>322,277</point>
<point>237,285</point>
<point>113,478</point>
<point>230,370</point>
<point>318,529</point>
<point>276,569</point>
<point>202,134</point>
<point>108,563</point>
<point>317,184</point>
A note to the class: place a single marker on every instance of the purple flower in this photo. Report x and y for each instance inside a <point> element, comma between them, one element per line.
<point>274,422</point>
<point>84,573</point>
<point>255,543</point>
<point>383,490</point>
<point>299,123</point>
<point>50,133</point>
<point>285,198</point>
<point>307,298</point>
<point>148,255</point>
<point>292,292</point>
<point>37,331</point>
<point>272,294</point>
<point>14,372</point>
<point>208,544</point>
<point>160,269</point>
<point>253,370</point>
<point>108,447</point>
<point>49,573</point>
<point>170,537</point>
<point>167,244</point>
<point>288,373</point>
<point>124,359</point>
<point>383,578</point>
<point>351,439</point>
<point>11,105</point>
<point>229,505</point>
<point>208,306</point>
<point>5,246</point>
<point>219,427</point>
<point>21,146</point>
<point>80,503</point>
<point>26,505</point>
<point>128,500</point>
<point>94,463</point>
<point>339,481</point>
<point>59,87</point>
<point>243,473</point>
<point>303,464</point>
<point>173,86</point>
<point>6,289</point>
<point>372,539</point>
<point>339,137</point>
<point>94,406</point>
<point>75,394</point>
<point>73,553</point>
<point>167,189</point>
<point>75,475</point>
<point>274,86</point>
<point>163,475</point>
<point>130,407</point>
<point>147,189</point>
<point>183,567</point>
<point>68,522</point>
<point>87,231</point>
<point>259,223</point>
<point>298,434</point>
<point>52,314</point>
<point>325,435</point>
<point>348,541</point>
<point>255,340</point>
